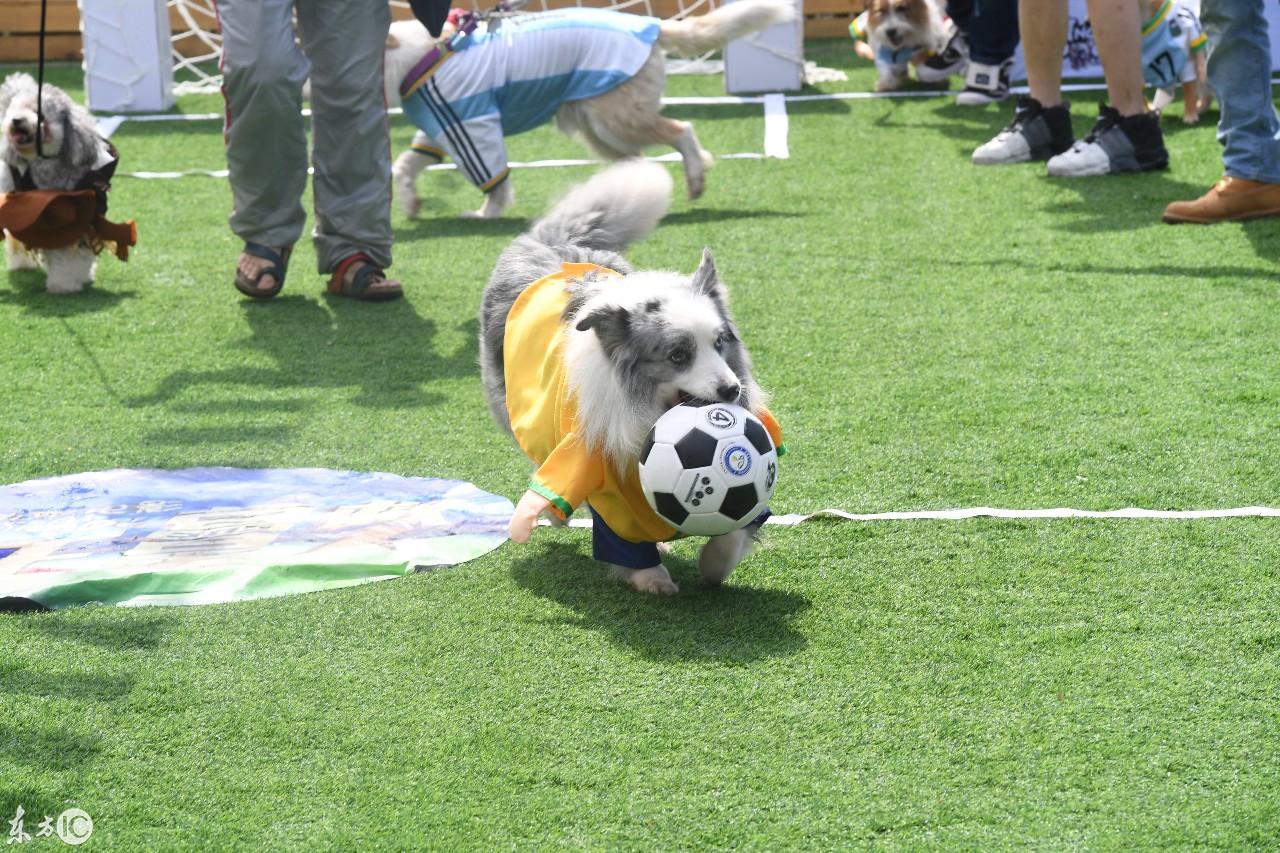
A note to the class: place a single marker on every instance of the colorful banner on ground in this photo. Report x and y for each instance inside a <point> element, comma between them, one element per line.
<point>205,535</point>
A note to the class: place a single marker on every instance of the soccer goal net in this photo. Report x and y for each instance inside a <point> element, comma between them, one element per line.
<point>197,43</point>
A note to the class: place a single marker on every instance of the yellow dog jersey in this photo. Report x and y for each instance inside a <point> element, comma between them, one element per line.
<point>543,415</point>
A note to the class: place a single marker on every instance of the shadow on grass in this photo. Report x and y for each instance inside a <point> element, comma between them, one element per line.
<point>46,735</point>
<point>453,226</point>
<point>383,352</point>
<point>1107,202</point>
<point>733,624</point>
<point>28,291</point>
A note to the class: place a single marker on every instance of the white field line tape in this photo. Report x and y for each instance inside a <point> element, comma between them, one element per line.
<point>1056,512</point>
<point>776,126</point>
<point>719,100</point>
<point>672,157</point>
<point>993,512</point>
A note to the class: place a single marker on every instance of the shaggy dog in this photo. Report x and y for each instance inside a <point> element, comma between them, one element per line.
<point>55,187</point>
<point>580,354</point>
<point>600,73</point>
<point>895,33</point>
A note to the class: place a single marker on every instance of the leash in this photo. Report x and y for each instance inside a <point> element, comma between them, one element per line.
<point>44,13</point>
<point>465,22</point>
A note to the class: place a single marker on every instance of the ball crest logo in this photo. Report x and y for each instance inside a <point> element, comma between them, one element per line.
<point>737,460</point>
<point>721,418</point>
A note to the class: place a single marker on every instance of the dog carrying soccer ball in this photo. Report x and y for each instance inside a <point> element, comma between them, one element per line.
<point>708,470</point>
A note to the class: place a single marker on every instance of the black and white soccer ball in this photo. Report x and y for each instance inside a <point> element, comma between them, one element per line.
<point>708,470</point>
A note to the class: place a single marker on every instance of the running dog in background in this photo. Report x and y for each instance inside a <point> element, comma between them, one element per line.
<point>580,354</point>
<point>54,175</point>
<point>600,73</point>
<point>896,33</point>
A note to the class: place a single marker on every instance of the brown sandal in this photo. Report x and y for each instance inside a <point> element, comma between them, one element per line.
<point>368,283</point>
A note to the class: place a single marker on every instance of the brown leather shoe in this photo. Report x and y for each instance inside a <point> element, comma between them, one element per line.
<point>1230,199</point>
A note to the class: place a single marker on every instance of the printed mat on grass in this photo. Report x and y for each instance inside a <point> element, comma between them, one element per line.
<point>204,535</point>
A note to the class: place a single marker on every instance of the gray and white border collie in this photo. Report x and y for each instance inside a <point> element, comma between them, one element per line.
<point>631,350</point>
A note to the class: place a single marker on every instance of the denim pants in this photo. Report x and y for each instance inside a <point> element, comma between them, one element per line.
<point>992,26</point>
<point>1240,73</point>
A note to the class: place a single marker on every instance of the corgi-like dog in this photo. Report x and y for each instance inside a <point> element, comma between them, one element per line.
<point>896,34</point>
<point>580,354</point>
<point>600,74</point>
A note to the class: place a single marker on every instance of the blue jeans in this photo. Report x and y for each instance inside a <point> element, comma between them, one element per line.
<point>992,27</point>
<point>1240,73</point>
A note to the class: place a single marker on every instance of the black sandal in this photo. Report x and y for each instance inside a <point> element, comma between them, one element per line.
<point>278,266</point>
<point>365,284</point>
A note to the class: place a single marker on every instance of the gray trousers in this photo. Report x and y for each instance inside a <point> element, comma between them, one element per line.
<point>263,72</point>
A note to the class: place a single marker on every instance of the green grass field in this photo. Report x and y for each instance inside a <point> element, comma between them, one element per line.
<point>934,335</point>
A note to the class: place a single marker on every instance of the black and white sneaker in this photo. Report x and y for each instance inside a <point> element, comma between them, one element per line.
<point>952,60</point>
<point>985,84</point>
<point>1037,133</point>
<point>1116,144</point>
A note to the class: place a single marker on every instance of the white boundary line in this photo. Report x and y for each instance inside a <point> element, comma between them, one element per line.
<point>1057,512</point>
<point>793,519</point>
<point>775,143</point>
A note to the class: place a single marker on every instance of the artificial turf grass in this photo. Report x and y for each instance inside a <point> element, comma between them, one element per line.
<point>986,695</point>
<point>990,337</point>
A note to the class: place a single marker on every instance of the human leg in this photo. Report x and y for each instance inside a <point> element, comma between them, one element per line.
<point>954,57</point>
<point>1240,74</point>
<point>1043,26</point>
<point>1126,137</point>
<point>266,143</point>
<point>351,143</point>
<point>1041,124</point>
<point>993,38</point>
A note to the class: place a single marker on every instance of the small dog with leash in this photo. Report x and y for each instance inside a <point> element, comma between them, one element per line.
<point>600,73</point>
<point>55,171</point>
<point>580,354</point>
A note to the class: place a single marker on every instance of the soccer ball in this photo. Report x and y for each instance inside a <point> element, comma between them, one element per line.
<point>708,470</point>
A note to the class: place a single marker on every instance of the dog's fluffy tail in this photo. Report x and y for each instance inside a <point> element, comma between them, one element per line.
<point>612,210</point>
<point>702,33</point>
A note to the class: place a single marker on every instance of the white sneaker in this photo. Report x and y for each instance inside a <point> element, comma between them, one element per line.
<point>985,84</point>
<point>1116,144</point>
<point>943,66</point>
<point>1036,133</point>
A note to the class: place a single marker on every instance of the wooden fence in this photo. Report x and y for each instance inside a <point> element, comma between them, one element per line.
<point>20,25</point>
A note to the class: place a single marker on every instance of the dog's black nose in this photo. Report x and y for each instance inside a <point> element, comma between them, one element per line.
<point>728,392</point>
<point>20,124</point>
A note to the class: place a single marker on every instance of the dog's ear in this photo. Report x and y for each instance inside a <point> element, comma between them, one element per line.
<point>79,133</point>
<point>706,279</point>
<point>611,323</point>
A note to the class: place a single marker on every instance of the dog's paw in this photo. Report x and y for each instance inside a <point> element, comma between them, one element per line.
<point>525,517</point>
<point>654,580</point>
<point>721,555</point>
<point>71,286</point>
<point>409,201</point>
<point>695,185</point>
